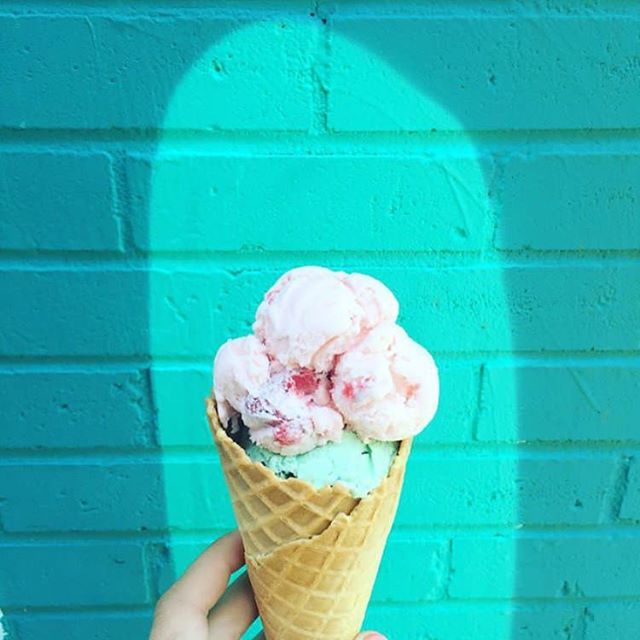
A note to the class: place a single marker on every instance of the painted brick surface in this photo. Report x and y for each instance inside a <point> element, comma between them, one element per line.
<point>616,621</point>
<point>598,397</point>
<point>630,506</point>
<point>491,80</point>
<point>579,192</point>
<point>552,567</point>
<point>504,491</point>
<point>180,396</point>
<point>134,64</point>
<point>162,163</point>
<point>356,206</point>
<point>83,313</point>
<point>93,574</point>
<point>461,620</point>
<point>89,497</point>
<point>98,626</point>
<point>76,409</point>
<point>193,307</point>
<point>78,187</point>
<point>422,565</point>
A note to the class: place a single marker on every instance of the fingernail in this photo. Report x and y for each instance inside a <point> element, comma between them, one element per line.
<point>373,636</point>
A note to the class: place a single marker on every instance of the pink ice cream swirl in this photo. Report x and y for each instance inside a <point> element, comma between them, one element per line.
<point>326,355</point>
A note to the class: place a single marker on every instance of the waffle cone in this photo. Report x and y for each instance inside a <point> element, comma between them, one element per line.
<point>312,554</point>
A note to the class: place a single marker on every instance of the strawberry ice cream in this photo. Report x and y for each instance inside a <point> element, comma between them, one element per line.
<point>240,368</point>
<point>312,314</point>
<point>327,355</point>
<point>386,386</point>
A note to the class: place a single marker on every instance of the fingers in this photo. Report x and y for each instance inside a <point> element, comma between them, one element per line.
<point>234,613</point>
<point>173,624</point>
<point>206,579</point>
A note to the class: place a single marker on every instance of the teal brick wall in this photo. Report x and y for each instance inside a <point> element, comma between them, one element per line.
<point>161,163</point>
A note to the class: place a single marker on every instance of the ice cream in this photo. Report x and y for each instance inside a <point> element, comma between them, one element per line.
<point>357,466</point>
<point>386,386</point>
<point>240,368</point>
<point>313,314</point>
<point>326,356</point>
<point>313,418</point>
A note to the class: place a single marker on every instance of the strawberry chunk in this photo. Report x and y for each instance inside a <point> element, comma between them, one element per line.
<point>283,435</point>
<point>348,391</point>
<point>304,382</point>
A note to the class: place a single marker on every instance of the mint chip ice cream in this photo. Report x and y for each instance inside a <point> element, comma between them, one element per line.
<point>358,466</point>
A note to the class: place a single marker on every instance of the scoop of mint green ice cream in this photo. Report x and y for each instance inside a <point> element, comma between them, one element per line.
<point>358,466</point>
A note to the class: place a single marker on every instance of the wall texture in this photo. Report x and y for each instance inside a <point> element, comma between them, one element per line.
<point>162,162</point>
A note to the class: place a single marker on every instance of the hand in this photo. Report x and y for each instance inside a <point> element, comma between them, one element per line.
<point>200,607</point>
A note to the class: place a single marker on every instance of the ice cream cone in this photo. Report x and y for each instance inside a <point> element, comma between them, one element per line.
<point>312,554</point>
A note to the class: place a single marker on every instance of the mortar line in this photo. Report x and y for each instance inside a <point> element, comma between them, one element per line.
<point>375,10</point>
<point>146,138</point>
<point>424,452</point>
<point>235,262</point>
<point>90,363</point>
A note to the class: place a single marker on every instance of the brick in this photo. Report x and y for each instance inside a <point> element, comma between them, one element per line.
<point>179,396</point>
<point>179,400</point>
<point>61,409</point>
<point>188,73</point>
<point>338,203</point>
<point>46,195</point>
<point>590,202</point>
<point>630,505</point>
<point>197,496</point>
<point>114,497</point>
<point>413,569</point>
<point>457,492</point>
<point>464,621</point>
<point>81,313</point>
<point>482,73</point>
<point>464,490</point>
<point>192,313</point>
<point>83,497</point>
<point>617,620</point>
<point>457,407</point>
<point>520,308</point>
<point>562,567</point>
<point>548,403</point>
<point>72,574</point>
<point>96,625</point>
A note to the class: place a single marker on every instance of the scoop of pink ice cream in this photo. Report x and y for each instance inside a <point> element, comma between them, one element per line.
<point>292,412</point>
<point>313,314</point>
<point>241,367</point>
<point>326,355</point>
<point>386,386</point>
<point>377,302</point>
